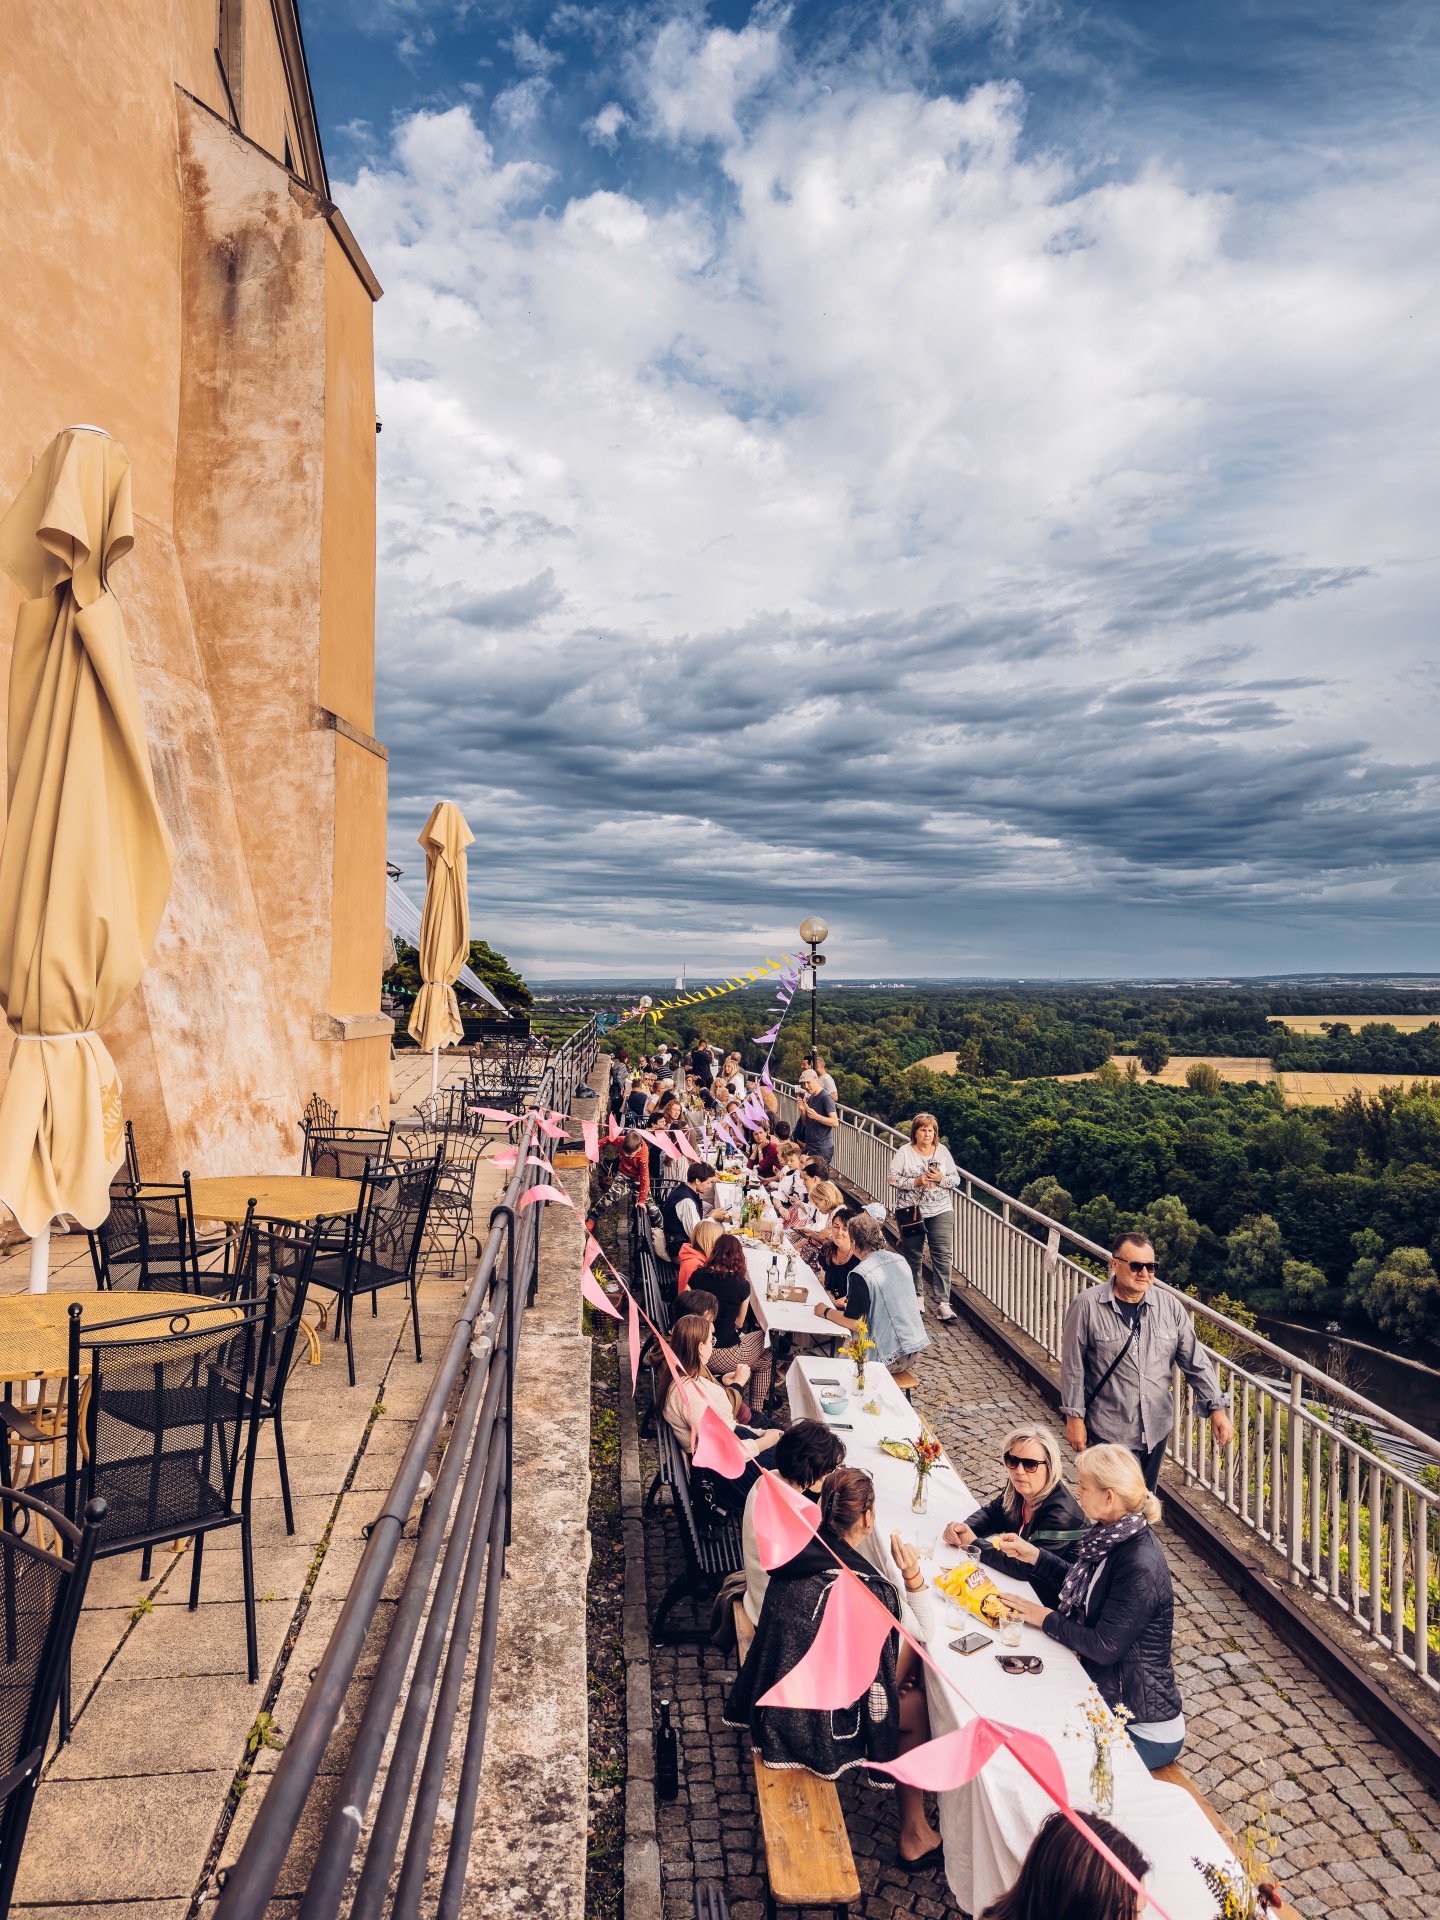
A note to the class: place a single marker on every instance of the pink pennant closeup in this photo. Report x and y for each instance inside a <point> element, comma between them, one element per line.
<point>784,1520</point>
<point>542,1190</point>
<point>948,1762</point>
<point>612,1131</point>
<point>591,1135</point>
<point>634,1333</point>
<point>506,1158</point>
<point>844,1656</point>
<point>494,1113</point>
<point>551,1124</point>
<point>594,1252</point>
<point>596,1294</point>
<point>716,1447</point>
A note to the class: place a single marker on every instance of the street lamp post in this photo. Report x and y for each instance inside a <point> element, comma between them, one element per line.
<point>814,933</point>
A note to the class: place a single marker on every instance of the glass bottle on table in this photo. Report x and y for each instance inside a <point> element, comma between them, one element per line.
<point>772,1283</point>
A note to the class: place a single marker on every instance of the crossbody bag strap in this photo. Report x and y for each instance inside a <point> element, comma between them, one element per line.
<point>1100,1384</point>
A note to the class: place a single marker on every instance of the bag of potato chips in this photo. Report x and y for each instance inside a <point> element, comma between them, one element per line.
<point>973,1588</point>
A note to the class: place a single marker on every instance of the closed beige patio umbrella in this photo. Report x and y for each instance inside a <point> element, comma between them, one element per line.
<point>86,861</point>
<point>444,934</point>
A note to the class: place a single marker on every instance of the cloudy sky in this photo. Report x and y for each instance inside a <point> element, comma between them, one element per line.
<point>964,467</point>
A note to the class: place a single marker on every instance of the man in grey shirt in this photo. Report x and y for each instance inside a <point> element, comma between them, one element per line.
<point>1120,1345</point>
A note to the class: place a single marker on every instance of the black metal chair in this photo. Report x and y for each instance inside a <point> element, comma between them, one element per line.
<point>43,1594</point>
<point>319,1113</point>
<point>148,1241</point>
<point>185,1381</point>
<point>280,1255</point>
<point>340,1153</point>
<point>384,1245</point>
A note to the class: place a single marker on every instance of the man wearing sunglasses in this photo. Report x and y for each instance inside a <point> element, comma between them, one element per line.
<point>1121,1344</point>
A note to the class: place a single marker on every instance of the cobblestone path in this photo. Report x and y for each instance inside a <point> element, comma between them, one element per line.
<point>1353,1836</point>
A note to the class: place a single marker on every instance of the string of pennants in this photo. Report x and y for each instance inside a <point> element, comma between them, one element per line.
<point>844,1657</point>
<point>787,964</point>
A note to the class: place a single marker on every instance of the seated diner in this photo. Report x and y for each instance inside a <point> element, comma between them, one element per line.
<point>880,1292</point>
<point>1033,1503</point>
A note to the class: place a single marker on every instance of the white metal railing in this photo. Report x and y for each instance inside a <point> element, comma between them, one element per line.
<point>1344,1491</point>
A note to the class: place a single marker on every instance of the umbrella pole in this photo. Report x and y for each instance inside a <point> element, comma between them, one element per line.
<point>40,1260</point>
<point>434,1071</point>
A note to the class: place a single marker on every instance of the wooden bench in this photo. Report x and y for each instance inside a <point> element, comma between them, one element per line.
<point>906,1381</point>
<point>709,1557</point>
<point>808,1861</point>
<point>1175,1775</point>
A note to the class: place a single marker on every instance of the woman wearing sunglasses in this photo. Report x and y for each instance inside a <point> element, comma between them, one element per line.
<point>1032,1504</point>
<point>1116,1606</point>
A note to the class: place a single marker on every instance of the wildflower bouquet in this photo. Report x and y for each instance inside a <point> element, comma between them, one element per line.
<point>856,1348</point>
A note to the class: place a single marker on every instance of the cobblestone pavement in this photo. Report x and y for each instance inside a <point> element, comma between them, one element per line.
<point>1353,1835</point>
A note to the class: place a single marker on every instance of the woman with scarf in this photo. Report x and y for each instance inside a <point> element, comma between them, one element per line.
<point>891,1716</point>
<point>1116,1608</point>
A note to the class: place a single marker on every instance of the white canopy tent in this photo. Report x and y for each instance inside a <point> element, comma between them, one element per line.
<point>402,917</point>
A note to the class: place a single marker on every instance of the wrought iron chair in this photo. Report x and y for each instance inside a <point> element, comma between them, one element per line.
<point>43,1594</point>
<point>186,1382</point>
<point>384,1245</point>
<point>278,1255</point>
<point>319,1113</point>
<point>341,1153</point>
<point>148,1241</point>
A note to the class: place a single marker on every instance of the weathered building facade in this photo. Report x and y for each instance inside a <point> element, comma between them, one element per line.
<point>175,272</point>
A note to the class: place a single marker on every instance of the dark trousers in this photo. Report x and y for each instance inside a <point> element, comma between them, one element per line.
<point>1150,1460</point>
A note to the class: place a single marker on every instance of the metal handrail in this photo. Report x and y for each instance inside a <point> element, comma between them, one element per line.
<point>463,1532</point>
<point>1352,1526</point>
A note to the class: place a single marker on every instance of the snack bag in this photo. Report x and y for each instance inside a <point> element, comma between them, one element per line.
<point>974,1589</point>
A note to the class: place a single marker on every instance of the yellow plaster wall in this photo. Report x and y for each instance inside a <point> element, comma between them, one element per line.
<point>347,552</point>
<point>358,899</point>
<point>169,283</point>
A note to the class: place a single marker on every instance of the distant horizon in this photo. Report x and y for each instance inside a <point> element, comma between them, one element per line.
<point>646,982</point>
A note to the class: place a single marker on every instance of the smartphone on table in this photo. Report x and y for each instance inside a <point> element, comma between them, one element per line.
<point>970,1643</point>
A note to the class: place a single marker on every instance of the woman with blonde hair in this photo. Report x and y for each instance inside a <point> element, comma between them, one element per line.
<point>923,1181</point>
<point>698,1249</point>
<point>1033,1503</point>
<point>1115,1606</point>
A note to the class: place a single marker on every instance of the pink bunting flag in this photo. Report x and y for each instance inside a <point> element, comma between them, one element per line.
<point>716,1447</point>
<point>634,1333</point>
<point>785,1521</point>
<point>507,1158</point>
<point>594,1253</point>
<point>765,1075</point>
<point>666,1143</point>
<point>542,1190</point>
<point>769,1037</point>
<point>596,1294</point>
<point>612,1128</point>
<point>844,1656</point>
<point>535,1160</point>
<point>686,1151</point>
<point>647,1133</point>
<point>494,1113</point>
<point>592,1140</point>
<point>948,1762</point>
<point>551,1124</point>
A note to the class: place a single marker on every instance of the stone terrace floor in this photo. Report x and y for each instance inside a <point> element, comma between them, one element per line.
<point>128,1818</point>
<point>1353,1835</point>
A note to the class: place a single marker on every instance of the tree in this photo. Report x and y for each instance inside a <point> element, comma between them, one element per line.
<point>1047,1196</point>
<point>1167,1224</point>
<point>491,967</point>
<point>1109,1075</point>
<point>1254,1255</point>
<point>1201,1077</point>
<point>1097,1219</point>
<point>1153,1050</point>
<point>1403,1297</point>
<point>1369,1252</point>
<point>1303,1283</point>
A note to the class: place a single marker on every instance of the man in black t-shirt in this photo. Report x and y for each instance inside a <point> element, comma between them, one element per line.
<point>818,1120</point>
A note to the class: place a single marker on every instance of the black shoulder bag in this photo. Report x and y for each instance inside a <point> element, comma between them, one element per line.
<point>1091,1398</point>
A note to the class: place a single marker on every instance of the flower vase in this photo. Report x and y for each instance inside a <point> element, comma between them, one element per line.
<point>920,1502</point>
<point>1102,1782</point>
<point>859,1377</point>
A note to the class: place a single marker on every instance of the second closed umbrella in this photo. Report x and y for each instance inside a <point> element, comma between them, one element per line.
<point>444,934</point>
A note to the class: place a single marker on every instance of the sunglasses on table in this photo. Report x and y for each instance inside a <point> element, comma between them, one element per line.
<point>1017,1461</point>
<point>1020,1663</point>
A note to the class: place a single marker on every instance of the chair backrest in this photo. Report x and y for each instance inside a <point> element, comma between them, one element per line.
<point>166,1416</point>
<point>147,1240</point>
<point>41,1593</point>
<point>278,1254</point>
<point>319,1112</point>
<point>340,1153</point>
<point>388,1239</point>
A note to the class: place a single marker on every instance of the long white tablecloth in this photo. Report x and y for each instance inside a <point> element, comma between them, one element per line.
<point>787,1316</point>
<point>988,1824</point>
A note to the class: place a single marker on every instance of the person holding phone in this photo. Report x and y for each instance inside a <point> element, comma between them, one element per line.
<point>923,1181</point>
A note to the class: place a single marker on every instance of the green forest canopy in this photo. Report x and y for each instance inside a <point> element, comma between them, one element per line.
<point>488,965</point>
<point>1325,1209</point>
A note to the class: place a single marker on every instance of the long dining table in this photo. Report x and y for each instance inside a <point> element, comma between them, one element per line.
<point>987,1825</point>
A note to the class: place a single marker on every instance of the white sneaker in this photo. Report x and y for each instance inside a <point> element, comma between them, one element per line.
<point>945,1310</point>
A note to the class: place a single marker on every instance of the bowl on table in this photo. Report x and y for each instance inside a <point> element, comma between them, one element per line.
<point>832,1404</point>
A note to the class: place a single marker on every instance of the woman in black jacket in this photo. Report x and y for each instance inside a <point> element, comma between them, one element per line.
<point>891,1716</point>
<point>1116,1607</point>
<point>1032,1503</point>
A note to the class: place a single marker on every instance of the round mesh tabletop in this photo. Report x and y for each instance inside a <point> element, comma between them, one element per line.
<point>35,1327</point>
<point>277,1196</point>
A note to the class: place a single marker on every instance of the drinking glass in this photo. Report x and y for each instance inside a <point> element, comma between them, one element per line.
<point>1010,1630</point>
<point>927,1534</point>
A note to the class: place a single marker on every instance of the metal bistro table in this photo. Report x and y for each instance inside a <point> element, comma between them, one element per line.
<point>277,1196</point>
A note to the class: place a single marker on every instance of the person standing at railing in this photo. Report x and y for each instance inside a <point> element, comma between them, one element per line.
<point>1120,1346</point>
<point>923,1179</point>
<point>818,1118</point>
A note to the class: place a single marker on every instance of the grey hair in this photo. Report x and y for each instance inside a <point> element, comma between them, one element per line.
<point>1050,1447</point>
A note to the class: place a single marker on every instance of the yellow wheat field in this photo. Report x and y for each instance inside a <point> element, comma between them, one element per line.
<point>1316,1022</point>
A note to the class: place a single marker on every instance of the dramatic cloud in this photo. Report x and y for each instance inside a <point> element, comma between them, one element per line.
<point>1028,566</point>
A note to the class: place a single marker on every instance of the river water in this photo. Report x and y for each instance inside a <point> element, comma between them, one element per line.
<point>1409,1386</point>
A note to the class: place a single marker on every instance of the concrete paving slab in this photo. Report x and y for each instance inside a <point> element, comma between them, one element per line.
<point>172,1642</point>
<point>119,1840</point>
<point>138,1728</point>
<point>110,1910</point>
